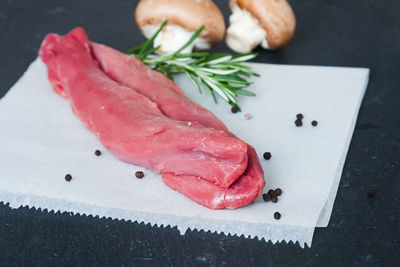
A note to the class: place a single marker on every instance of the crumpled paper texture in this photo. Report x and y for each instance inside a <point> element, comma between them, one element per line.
<point>41,141</point>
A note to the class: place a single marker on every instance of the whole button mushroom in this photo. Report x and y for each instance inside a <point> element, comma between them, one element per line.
<point>184,18</point>
<point>269,23</point>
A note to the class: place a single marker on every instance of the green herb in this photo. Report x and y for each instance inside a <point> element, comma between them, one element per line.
<point>221,74</point>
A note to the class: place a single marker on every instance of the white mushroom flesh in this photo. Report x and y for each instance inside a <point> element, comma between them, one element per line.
<point>173,37</point>
<point>244,32</point>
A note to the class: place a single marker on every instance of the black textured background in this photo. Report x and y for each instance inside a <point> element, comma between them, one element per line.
<point>362,231</point>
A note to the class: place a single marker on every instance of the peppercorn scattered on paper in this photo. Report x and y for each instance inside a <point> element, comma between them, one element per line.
<point>41,141</point>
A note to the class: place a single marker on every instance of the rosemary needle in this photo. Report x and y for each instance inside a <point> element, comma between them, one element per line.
<point>222,74</point>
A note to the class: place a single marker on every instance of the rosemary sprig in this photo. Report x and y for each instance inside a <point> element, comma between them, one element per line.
<point>221,74</point>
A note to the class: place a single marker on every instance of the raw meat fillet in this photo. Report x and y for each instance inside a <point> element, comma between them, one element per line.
<point>172,101</point>
<point>131,72</point>
<point>132,126</point>
<point>246,189</point>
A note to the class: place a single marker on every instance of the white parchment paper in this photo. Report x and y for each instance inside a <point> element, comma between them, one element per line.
<point>41,141</point>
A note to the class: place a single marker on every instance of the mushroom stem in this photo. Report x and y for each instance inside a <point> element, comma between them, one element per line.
<point>244,32</point>
<point>174,37</point>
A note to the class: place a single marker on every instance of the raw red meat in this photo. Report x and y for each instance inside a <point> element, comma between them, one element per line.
<point>132,72</point>
<point>247,188</point>
<point>142,117</point>
<point>172,101</point>
<point>133,127</point>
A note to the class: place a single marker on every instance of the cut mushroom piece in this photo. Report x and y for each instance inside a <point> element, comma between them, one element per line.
<point>269,23</point>
<point>184,18</point>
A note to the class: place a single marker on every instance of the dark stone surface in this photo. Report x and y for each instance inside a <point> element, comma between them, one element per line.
<point>362,231</point>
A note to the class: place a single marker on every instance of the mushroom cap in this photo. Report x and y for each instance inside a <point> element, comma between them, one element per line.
<point>275,16</point>
<point>188,14</point>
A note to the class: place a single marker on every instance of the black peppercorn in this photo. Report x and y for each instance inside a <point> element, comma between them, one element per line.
<point>267,197</point>
<point>234,109</point>
<point>139,174</point>
<point>371,192</point>
<point>278,191</point>
<point>68,177</point>
<point>277,215</point>
<point>274,199</point>
<point>314,123</point>
<point>298,123</point>
<point>97,152</point>
<point>299,116</point>
<point>272,193</point>
<point>267,155</point>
